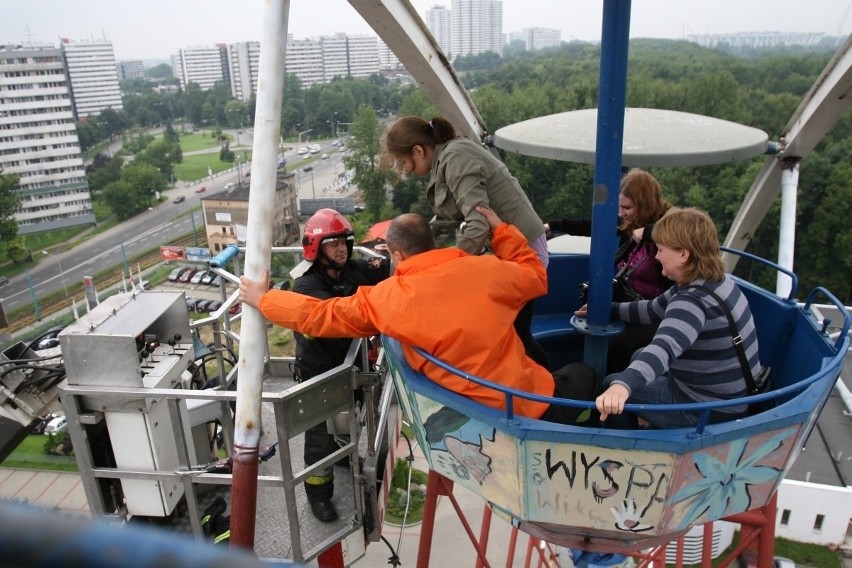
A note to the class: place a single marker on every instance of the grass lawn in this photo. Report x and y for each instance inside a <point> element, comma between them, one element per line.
<point>195,167</point>
<point>31,454</point>
<point>200,141</point>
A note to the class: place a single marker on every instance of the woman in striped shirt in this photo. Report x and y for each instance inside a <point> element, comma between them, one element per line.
<point>692,356</point>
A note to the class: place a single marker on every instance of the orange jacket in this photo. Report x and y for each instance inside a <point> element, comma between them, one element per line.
<point>460,308</point>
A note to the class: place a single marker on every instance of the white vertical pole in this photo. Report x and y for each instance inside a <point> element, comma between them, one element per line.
<point>787,232</point>
<point>267,127</point>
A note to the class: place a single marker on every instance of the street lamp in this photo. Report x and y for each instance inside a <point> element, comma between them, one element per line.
<point>304,132</point>
<point>61,272</point>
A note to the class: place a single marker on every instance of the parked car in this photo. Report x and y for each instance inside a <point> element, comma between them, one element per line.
<point>302,151</point>
<point>780,562</point>
<point>236,308</point>
<point>196,278</point>
<point>3,280</point>
<point>324,157</point>
<point>56,425</point>
<point>175,274</point>
<point>208,278</point>
<point>216,281</point>
<point>42,423</point>
<point>201,189</point>
<point>214,305</point>
<point>179,199</point>
<point>204,305</point>
<point>190,302</point>
<point>307,168</point>
<point>49,338</point>
<point>187,276</point>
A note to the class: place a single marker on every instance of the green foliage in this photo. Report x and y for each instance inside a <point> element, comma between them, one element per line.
<point>138,142</point>
<point>10,201</point>
<point>226,154</point>
<point>194,168</point>
<point>364,160</point>
<point>16,249</point>
<point>399,498</point>
<point>409,194</point>
<point>161,71</point>
<point>134,191</point>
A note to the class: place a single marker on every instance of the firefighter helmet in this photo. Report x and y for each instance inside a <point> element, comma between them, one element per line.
<point>325,224</point>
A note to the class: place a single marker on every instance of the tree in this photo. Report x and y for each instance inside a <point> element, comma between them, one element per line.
<point>161,154</point>
<point>16,249</point>
<point>161,71</point>
<point>112,122</point>
<point>236,114</point>
<point>226,154</point>
<point>10,202</point>
<point>133,193</point>
<point>364,160</point>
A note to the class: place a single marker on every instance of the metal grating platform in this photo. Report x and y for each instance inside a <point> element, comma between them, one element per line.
<point>272,531</point>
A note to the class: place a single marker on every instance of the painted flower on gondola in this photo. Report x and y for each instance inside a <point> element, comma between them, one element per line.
<point>723,488</point>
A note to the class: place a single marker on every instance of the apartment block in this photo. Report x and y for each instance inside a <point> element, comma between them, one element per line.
<point>38,139</point>
<point>387,59</point>
<point>476,26</point>
<point>203,65</point>
<point>362,53</point>
<point>438,21</point>
<point>132,69</point>
<point>243,66</point>
<point>537,38</point>
<point>304,59</point>
<point>93,77</point>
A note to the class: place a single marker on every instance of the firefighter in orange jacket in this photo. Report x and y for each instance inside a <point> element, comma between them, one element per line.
<point>458,307</point>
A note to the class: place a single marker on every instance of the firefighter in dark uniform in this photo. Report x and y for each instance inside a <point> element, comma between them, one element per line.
<point>331,272</point>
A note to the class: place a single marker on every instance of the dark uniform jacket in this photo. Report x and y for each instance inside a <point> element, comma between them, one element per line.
<point>314,355</point>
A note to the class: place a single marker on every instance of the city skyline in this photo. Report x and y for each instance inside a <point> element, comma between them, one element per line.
<point>144,32</point>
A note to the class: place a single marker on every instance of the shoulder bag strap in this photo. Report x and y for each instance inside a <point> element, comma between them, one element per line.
<point>624,249</point>
<point>738,340</point>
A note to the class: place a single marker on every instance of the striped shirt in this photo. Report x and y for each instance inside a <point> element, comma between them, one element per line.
<point>693,343</point>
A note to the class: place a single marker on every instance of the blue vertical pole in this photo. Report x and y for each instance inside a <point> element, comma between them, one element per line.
<point>608,151</point>
<point>33,296</point>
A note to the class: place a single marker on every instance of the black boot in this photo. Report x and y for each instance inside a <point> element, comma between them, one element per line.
<point>323,510</point>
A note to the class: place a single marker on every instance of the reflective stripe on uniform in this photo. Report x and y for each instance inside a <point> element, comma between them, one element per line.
<point>319,479</point>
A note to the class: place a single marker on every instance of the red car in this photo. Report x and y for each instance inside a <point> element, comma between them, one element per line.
<point>201,189</point>
<point>187,276</point>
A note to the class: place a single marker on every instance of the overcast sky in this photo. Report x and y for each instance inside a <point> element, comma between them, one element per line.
<point>155,29</point>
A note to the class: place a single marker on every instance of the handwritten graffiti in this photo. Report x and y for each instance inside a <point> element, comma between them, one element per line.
<point>639,486</point>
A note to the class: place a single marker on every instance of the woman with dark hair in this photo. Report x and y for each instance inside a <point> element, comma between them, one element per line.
<point>640,205</point>
<point>463,174</point>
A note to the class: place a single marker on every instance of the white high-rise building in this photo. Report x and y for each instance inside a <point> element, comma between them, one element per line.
<point>304,59</point>
<point>203,65</point>
<point>335,57</point>
<point>243,64</point>
<point>93,76</point>
<point>476,26</point>
<point>537,38</point>
<point>387,58</point>
<point>363,55</point>
<point>438,22</point>
<point>38,139</point>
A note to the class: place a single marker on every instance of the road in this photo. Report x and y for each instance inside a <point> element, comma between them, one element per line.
<point>159,225</point>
